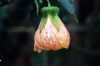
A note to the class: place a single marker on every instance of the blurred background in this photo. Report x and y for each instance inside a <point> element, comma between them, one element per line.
<point>19,21</point>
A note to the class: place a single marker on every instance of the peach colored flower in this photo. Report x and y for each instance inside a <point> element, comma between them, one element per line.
<point>51,38</point>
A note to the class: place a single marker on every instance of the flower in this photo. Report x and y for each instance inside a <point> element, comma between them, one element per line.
<point>51,33</point>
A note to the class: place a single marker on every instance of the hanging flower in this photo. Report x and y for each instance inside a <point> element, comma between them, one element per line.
<point>51,33</point>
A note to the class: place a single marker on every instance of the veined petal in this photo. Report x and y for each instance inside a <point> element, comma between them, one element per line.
<point>63,35</point>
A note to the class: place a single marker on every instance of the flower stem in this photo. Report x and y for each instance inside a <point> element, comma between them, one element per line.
<point>37,6</point>
<point>48,3</point>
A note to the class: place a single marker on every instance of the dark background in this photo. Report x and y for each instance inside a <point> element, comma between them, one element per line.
<point>19,21</point>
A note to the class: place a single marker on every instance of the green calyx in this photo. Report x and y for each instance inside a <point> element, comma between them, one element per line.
<point>52,10</point>
<point>52,13</point>
<point>55,21</point>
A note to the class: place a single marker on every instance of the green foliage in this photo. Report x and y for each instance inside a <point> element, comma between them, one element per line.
<point>69,6</point>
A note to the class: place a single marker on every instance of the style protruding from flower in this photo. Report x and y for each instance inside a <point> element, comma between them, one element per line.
<point>51,33</point>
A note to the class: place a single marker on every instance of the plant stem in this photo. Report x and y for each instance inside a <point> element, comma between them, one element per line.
<point>48,3</point>
<point>36,2</point>
<point>45,58</point>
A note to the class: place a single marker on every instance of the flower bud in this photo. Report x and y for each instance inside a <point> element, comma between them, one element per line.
<point>51,33</point>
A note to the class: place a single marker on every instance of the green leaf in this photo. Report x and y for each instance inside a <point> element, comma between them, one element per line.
<point>69,6</point>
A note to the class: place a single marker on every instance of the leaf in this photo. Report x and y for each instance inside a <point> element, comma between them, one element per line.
<point>68,5</point>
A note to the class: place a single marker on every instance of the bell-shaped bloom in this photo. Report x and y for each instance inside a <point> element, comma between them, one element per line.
<point>51,33</point>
